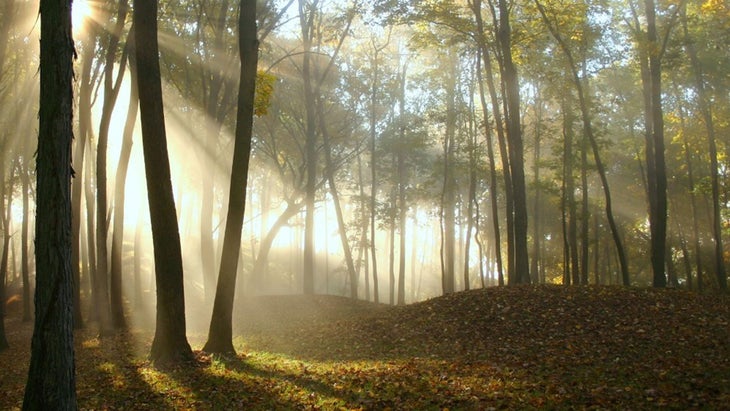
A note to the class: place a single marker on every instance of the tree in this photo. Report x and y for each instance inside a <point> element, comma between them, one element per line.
<point>170,343</point>
<point>520,271</point>
<point>220,334</point>
<point>584,103</point>
<point>111,92</point>
<point>117,307</point>
<point>707,115</point>
<point>51,376</point>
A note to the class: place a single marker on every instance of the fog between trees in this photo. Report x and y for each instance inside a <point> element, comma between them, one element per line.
<point>397,153</point>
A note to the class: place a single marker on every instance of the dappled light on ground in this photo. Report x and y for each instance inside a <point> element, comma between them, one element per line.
<point>502,348</point>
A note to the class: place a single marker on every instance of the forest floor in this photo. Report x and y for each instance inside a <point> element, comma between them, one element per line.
<point>544,347</point>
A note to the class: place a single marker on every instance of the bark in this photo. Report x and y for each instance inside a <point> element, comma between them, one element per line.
<point>51,376</point>
<point>307,25</point>
<point>373,169</point>
<point>259,266</point>
<point>520,274</point>
<point>24,249</point>
<point>402,183</point>
<point>693,206</point>
<point>111,92</point>
<point>170,343</point>
<point>588,130</point>
<point>707,116</point>
<point>330,175</point>
<point>213,78</point>
<point>484,52</point>
<point>117,307</point>
<point>494,199</point>
<point>84,109</point>
<point>5,220</point>
<point>220,334</point>
<point>90,229</point>
<point>658,218</point>
<point>537,206</point>
<point>448,194</point>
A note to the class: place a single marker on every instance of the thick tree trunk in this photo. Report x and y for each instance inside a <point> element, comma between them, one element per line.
<point>51,376</point>
<point>655,153</point>
<point>521,273</point>
<point>220,334</point>
<point>170,343</point>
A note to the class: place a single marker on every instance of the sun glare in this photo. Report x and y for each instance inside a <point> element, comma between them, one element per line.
<point>80,10</point>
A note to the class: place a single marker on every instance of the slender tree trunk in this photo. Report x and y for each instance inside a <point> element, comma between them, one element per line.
<point>220,334</point>
<point>536,205</point>
<point>111,92</point>
<point>84,109</point>
<point>90,230</point>
<point>262,259</point>
<point>25,177</point>
<point>138,299</point>
<point>402,182</point>
<point>588,130</point>
<point>330,174</point>
<point>117,306</point>
<point>51,376</point>
<point>5,220</point>
<point>365,223</point>
<point>494,198</point>
<point>170,343</point>
<point>706,110</point>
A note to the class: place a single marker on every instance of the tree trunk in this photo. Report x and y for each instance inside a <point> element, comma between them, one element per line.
<point>5,220</point>
<point>494,199</point>
<point>656,168</point>
<point>220,334</point>
<point>117,307</point>
<point>24,250</point>
<point>402,182</point>
<point>521,273</point>
<point>111,92</point>
<point>170,343</point>
<point>707,116</point>
<point>307,26</point>
<point>84,110</point>
<point>330,175</point>
<point>51,376</point>
<point>588,130</point>
<point>90,230</point>
<point>262,259</point>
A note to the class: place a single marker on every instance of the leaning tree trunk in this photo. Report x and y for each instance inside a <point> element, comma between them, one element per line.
<point>706,110</point>
<point>117,307</point>
<point>111,92</point>
<point>588,130</point>
<point>51,376</point>
<point>220,334</point>
<point>170,343</point>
